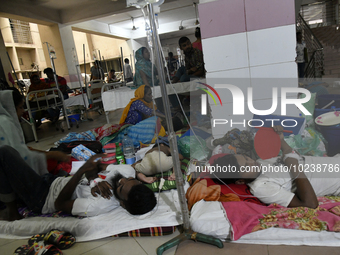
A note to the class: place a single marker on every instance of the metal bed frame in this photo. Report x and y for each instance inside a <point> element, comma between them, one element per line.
<point>52,98</point>
<point>107,87</point>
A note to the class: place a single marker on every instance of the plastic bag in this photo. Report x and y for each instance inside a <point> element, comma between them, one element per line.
<point>310,106</point>
<point>310,143</point>
<point>189,146</point>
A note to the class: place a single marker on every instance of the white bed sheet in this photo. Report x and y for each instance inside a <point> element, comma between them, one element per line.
<point>120,97</point>
<point>92,228</point>
<point>208,218</point>
<point>77,100</point>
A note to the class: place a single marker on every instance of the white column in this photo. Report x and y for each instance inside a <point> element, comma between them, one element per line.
<point>72,63</point>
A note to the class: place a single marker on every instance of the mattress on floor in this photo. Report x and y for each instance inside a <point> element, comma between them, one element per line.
<point>209,218</point>
<point>118,221</point>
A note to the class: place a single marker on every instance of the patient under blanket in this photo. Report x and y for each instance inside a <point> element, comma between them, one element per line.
<point>249,217</point>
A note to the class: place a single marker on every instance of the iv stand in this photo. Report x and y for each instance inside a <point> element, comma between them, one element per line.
<point>81,85</point>
<point>187,233</point>
<point>56,83</point>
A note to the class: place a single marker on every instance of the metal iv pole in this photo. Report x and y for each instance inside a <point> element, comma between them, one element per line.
<point>187,233</point>
<point>56,83</point>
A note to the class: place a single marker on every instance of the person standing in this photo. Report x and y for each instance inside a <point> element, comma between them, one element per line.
<point>301,55</point>
<point>127,71</point>
<point>97,73</point>
<point>198,43</point>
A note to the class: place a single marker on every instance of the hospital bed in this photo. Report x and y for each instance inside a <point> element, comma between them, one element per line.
<point>48,98</point>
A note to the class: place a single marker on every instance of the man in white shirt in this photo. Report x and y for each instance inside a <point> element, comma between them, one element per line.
<point>295,183</point>
<point>127,71</point>
<point>76,195</point>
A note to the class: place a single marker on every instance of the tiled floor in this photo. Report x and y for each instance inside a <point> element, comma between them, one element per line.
<point>148,245</point>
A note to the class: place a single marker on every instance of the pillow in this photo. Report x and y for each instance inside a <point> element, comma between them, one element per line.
<point>152,162</point>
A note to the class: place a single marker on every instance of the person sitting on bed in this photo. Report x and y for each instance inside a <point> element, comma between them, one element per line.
<point>143,69</point>
<point>38,84</point>
<point>156,160</point>
<point>76,195</point>
<point>288,187</point>
<point>11,134</point>
<point>140,107</point>
<point>62,83</point>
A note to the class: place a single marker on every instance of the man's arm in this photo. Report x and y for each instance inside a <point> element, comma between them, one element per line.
<point>198,70</point>
<point>304,194</point>
<point>64,202</point>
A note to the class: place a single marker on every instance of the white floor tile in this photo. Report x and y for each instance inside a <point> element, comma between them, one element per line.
<point>84,247</point>
<point>122,246</point>
<point>11,245</point>
<point>150,244</point>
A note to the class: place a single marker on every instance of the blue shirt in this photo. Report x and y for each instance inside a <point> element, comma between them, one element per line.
<point>135,114</point>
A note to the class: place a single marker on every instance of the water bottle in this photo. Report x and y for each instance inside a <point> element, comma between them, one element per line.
<point>128,149</point>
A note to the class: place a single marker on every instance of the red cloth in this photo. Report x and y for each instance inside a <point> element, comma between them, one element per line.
<point>241,190</point>
<point>247,217</point>
<point>61,83</point>
<point>53,166</point>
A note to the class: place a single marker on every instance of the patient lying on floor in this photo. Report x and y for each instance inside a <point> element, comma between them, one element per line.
<point>155,161</point>
<point>75,195</point>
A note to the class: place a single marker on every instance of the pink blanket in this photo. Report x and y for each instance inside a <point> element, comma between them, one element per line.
<point>247,217</point>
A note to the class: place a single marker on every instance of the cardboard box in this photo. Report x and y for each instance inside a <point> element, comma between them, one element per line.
<point>81,153</point>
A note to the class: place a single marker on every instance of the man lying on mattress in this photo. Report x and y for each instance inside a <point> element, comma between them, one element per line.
<point>290,181</point>
<point>76,195</point>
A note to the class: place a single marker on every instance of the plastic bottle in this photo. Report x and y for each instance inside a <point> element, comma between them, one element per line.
<point>119,155</point>
<point>129,149</point>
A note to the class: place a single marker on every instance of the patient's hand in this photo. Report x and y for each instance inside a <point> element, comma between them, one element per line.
<point>104,189</point>
<point>143,178</point>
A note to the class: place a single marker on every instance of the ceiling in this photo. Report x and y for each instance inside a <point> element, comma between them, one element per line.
<point>173,13</point>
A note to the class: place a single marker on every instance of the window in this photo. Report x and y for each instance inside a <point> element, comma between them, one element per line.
<point>21,31</point>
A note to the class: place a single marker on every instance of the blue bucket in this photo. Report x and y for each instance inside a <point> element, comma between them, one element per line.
<point>332,135</point>
<point>326,99</point>
<point>74,118</point>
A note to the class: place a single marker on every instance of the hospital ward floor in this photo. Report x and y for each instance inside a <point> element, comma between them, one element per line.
<point>148,245</point>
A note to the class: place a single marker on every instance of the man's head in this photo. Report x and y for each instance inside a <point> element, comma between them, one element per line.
<point>299,36</point>
<point>126,61</point>
<point>96,63</point>
<point>35,79</point>
<point>49,72</point>
<point>185,44</point>
<point>198,32</point>
<point>135,197</point>
<point>170,54</point>
<point>238,169</point>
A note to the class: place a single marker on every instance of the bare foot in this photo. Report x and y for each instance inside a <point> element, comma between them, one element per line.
<point>150,179</point>
<point>172,177</point>
<point>143,178</point>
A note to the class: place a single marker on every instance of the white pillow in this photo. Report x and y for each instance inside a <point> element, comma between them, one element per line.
<point>151,165</point>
